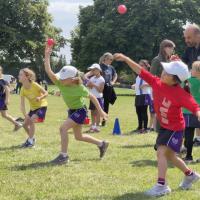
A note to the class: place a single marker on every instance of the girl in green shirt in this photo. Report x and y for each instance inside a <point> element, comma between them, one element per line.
<point>74,94</point>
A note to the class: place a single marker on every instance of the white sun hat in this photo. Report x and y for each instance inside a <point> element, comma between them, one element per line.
<point>67,72</point>
<point>95,66</point>
<point>177,68</point>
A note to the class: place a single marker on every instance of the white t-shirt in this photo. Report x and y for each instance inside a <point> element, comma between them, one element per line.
<point>138,90</point>
<point>97,81</point>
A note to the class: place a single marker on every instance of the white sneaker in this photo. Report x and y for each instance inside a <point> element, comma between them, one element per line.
<point>189,180</point>
<point>158,190</point>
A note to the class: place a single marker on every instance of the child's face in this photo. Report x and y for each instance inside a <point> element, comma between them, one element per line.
<point>95,72</point>
<point>108,60</point>
<point>143,65</point>
<point>167,78</point>
<point>1,71</point>
<point>22,77</point>
<point>195,72</point>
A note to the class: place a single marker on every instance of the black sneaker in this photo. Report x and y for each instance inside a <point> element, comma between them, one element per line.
<point>27,144</point>
<point>103,123</point>
<point>103,148</point>
<point>188,160</point>
<point>196,142</point>
<point>60,159</point>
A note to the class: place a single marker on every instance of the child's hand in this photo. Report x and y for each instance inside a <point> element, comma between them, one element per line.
<point>119,57</point>
<point>48,50</point>
<point>103,115</point>
<point>90,84</point>
<point>175,58</point>
<point>142,86</point>
<point>133,86</point>
<point>38,99</point>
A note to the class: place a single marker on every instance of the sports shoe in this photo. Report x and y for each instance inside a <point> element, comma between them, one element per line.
<point>188,160</point>
<point>158,190</point>
<point>60,159</point>
<point>103,148</point>
<point>196,142</point>
<point>189,180</point>
<point>28,144</point>
<point>17,126</point>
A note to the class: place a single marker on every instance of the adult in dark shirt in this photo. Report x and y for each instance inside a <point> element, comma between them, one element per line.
<point>192,40</point>
<point>191,54</point>
<point>110,76</point>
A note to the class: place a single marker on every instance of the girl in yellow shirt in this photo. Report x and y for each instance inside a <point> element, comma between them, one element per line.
<point>36,96</point>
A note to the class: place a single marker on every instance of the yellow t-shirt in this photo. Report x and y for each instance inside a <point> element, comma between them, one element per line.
<point>31,94</point>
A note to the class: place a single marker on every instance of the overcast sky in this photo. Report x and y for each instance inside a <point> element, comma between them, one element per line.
<point>65,14</point>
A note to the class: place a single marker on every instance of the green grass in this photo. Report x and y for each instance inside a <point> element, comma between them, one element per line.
<point>127,170</point>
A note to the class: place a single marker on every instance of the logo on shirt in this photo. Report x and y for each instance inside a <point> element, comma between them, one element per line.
<point>164,111</point>
<point>174,141</point>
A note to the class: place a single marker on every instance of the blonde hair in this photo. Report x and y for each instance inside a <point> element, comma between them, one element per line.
<point>196,66</point>
<point>30,74</point>
<point>105,55</point>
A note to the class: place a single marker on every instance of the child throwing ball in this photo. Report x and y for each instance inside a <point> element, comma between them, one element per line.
<point>74,94</point>
<point>169,98</point>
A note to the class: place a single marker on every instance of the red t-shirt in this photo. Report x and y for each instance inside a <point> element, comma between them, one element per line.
<point>168,101</point>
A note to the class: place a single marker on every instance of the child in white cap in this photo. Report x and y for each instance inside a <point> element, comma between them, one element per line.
<point>96,85</point>
<point>169,98</point>
<point>74,94</point>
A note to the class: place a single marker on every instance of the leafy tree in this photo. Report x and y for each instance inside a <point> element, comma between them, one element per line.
<point>24,28</point>
<point>137,33</point>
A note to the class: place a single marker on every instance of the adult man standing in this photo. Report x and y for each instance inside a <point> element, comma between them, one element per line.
<point>191,54</point>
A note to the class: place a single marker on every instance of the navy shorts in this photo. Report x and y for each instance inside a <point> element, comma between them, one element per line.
<point>3,105</point>
<point>191,121</point>
<point>151,108</point>
<point>171,139</point>
<point>78,115</point>
<point>101,103</point>
<point>40,112</point>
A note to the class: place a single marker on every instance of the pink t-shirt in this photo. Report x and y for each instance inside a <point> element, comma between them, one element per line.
<point>168,101</point>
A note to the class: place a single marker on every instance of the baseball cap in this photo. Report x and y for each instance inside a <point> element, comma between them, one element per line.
<point>177,68</point>
<point>95,66</point>
<point>67,72</point>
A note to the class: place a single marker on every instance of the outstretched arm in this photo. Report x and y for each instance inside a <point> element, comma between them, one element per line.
<point>50,73</point>
<point>133,65</point>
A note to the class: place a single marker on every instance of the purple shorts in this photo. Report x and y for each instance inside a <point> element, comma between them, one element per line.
<point>3,105</point>
<point>101,103</point>
<point>151,108</point>
<point>78,115</point>
<point>171,139</point>
<point>40,112</point>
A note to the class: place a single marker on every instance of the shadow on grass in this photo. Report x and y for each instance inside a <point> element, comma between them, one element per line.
<point>36,165</point>
<point>132,196</point>
<point>137,146</point>
<point>144,163</point>
<point>10,148</point>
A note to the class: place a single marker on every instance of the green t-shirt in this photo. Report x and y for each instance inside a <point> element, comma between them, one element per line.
<point>194,84</point>
<point>73,96</point>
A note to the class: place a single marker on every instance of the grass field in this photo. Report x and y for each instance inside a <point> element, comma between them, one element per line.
<point>126,171</point>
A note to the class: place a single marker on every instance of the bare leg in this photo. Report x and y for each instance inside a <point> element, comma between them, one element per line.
<point>93,117</point>
<point>84,137</point>
<point>5,115</point>
<point>162,161</point>
<point>178,162</point>
<point>64,135</point>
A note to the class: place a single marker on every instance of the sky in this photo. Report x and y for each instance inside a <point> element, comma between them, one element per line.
<point>65,14</point>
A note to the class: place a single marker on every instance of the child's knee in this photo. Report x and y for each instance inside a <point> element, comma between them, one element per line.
<point>63,129</point>
<point>78,137</point>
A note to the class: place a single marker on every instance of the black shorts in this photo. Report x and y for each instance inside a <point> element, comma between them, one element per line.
<point>191,121</point>
<point>169,138</point>
<point>3,105</point>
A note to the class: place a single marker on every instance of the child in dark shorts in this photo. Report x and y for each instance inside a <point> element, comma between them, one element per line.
<point>169,98</point>
<point>36,95</point>
<point>4,100</point>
